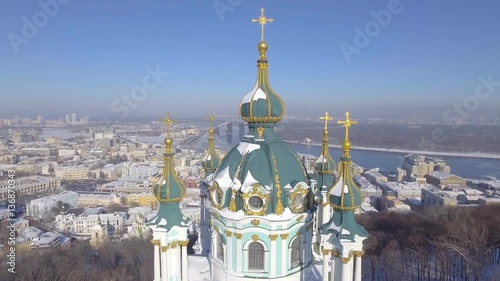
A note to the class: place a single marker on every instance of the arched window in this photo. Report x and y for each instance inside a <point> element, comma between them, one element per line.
<point>295,253</point>
<point>255,256</point>
<point>220,247</point>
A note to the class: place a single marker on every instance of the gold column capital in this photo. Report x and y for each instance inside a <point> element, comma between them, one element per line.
<point>273,237</point>
<point>164,248</point>
<point>284,236</point>
<point>238,235</point>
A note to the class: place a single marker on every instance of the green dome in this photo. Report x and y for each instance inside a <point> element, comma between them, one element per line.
<point>325,163</point>
<point>169,191</point>
<point>262,104</point>
<point>345,195</point>
<point>261,165</point>
<point>211,160</point>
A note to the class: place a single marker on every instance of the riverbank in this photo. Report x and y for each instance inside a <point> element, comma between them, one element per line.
<point>429,153</point>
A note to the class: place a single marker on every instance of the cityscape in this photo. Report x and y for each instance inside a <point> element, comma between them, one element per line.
<point>243,189</point>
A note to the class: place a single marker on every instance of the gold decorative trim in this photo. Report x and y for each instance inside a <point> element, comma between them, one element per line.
<point>173,245</point>
<point>260,132</point>
<point>299,190</point>
<point>255,237</point>
<point>215,190</point>
<point>163,248</point>
<point>357,253</point>
<point>284,236</point>
<point>184,243</point>
<point>273,237</point>
<point>232,205</point>
<point>298,233</point>
<point>346,260</point>
<point>255,222</point>
<point>238,235</point>
<point>256,191</point>
<point>279,205</point>
<point>156,242</point>
<point>300,218</point>
<point>326,251</point>
<point>215,215</point>
<point>228,233</point>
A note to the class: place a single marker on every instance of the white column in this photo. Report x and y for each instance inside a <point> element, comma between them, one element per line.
<point>326,212</point>
<point>184,261</point>
<point>164,262</point>
<point>228,257</point>
<point>357,271</point>
<point>333,269</point>
<point>272,256</point>
<point>284,253</point>
<point>325,265</point>
<point>345,271</point>
<point>157,262</point>
<point>238,250</point>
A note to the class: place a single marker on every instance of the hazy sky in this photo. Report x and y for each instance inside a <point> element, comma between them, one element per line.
<point>87,56</point>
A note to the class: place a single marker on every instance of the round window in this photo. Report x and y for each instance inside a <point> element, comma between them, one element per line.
<point>255,202</point>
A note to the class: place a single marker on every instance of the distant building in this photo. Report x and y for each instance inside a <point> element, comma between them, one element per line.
<point>72,172</point>
<point>68,119</point>
<point>30,185</point>
<point>417,166</point>
<point>41,208</point>
<point>96,199</point>
<point>44,152</point>
<point>433,197</point>
<point>73,118</point>
<point>439,178</point>
<point>139,171</point>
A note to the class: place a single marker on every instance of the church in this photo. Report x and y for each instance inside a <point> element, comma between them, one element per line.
<point>263,217</point>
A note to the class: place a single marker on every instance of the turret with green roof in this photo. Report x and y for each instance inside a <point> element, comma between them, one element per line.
<point>169,190</point>
<point>211,160</point>
<point>344,196</point>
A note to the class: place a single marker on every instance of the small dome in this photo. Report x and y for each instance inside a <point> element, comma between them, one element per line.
<point>262,104</point>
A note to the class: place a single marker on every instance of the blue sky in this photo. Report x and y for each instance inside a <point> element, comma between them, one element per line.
<point>91,53</point>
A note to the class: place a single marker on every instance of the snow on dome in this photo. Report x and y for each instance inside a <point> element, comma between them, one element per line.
<point>236,184</point>
<point>223,178</point>
<point>163,221</point>
<point>245,147</point>
<point>346,190</point>
<point>249,181</point>
<point>254,95</point>
<point>337,190</point>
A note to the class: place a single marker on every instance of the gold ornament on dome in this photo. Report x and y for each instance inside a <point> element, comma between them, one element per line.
<point>216,195</point>
<point>260,132</point>
<point>262,20</point>
<point>300,191</point>
<point>255,191</point>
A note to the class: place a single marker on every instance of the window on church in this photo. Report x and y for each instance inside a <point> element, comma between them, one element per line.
<point>295,253</point>
<point>255,256</point>
<point>255,203</point>
<point>220,247</point>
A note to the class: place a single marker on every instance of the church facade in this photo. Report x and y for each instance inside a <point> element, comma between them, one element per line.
<point>263,217</point>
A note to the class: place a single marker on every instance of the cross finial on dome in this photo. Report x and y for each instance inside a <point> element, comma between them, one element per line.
<point>326,118</point>
<point>211,118</point>
<point>262,20</point>
<point>168,121</point>
<point>347,123</point>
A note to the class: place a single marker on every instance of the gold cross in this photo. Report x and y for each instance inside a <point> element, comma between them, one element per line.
<point>262,20</point>
<point>326,118</point>
<point>211,118</point>
<point>347,123</point>
<point>168,121</point>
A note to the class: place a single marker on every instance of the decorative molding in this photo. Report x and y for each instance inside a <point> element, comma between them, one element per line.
<point>273,237</point>
<point>216,195</point>
<point>300,218</point>
<point>215,215</point>
<point>164,248</point>
<point>258,191</point>
<point>184,243</point>
<point>357,253</point>
<point>284,236</point>
<point>255,237</point>
<point>255,222</point>
<point>173,245</point>
<point>238,235</point>
<point>346,260</point>
<point>300,190</point>
<point>228,233</point>
<point>156,242</point>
